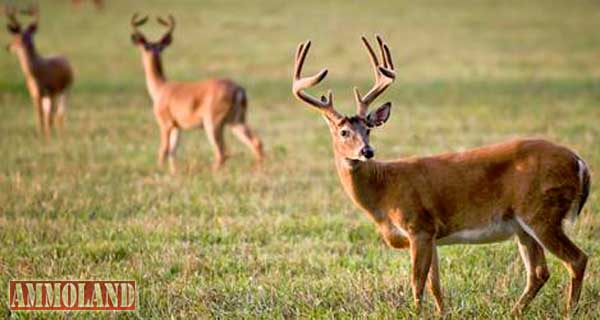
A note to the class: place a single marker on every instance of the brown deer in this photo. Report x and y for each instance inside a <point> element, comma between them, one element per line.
<point>48,78</point>
<point>488,194</point>
<point>99,4</point>
<point>211,104</point>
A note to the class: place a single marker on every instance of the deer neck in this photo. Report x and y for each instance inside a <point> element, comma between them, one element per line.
<point>29,60</point>
<point>155,77</point>
<point>364,183</point>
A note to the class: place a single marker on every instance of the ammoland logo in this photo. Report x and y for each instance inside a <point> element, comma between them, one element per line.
<point>72,295</point>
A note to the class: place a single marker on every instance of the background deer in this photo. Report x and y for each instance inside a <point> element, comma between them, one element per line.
<point>211,104</point>
<point>489,194</point>
<point>48,79</point>
<point>99,4</point>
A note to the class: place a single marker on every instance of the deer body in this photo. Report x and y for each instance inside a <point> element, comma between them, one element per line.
<point>45,77</point>
<point>186,105</point>
<point>523,188</point>
<point>48,78</point>
<point>211,104</point>
<point>477,196</point>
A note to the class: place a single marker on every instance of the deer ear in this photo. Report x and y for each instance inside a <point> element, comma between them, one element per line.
<point>13,28</point>
<point>166,40</point>
<point>137,39</point>
<point>379,116</point>
<point>32,28</point>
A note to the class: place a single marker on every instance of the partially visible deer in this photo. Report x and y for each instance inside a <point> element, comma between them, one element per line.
<point>99,4</point>
<point>211,104</point>
<point>48,78</point>
<point>522,187</point>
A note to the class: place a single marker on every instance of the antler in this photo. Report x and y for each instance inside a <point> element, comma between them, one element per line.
<point>384,76</point>
<point>169,24</point>
<point>34,11</point>
<point>325,104</point>
<point>11,12</point>
<point>137,22</point>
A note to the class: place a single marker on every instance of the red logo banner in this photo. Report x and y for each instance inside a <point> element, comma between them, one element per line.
<point>72,295</point>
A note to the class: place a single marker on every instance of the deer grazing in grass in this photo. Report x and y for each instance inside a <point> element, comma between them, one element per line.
<point>48,78</point>
<point>488,194</point>
<point>211,104</point>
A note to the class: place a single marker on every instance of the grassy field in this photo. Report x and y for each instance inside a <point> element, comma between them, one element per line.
<point>286,242</point>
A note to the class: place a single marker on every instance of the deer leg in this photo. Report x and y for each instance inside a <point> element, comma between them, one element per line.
<point>392,236</point>
<point>173,141</point>
<point>215,137</point>
<point>47,115</point>
<point>421,247</point>
<point>39,112</point>
<point>534,259</point>
<point>554,240</point>
<point>243,133</point>
<point>433,281</point>
<point>163,149</point>
<point>60,112</point>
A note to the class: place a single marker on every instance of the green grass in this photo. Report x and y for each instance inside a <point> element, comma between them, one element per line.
<point>286,242</point>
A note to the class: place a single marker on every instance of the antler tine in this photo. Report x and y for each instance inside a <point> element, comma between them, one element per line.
<point>384,75</point>
<point>170,24</point>
<point>385,53</point>
<point>136,22</point>
<point>325,104</point>
<point>33,10</point>
<point>11,12</point>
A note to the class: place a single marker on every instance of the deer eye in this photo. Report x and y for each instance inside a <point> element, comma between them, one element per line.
<point>344,133</point>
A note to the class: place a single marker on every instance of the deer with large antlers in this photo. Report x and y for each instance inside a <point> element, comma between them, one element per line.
<point>488,194</point>
<point>48,78</point>
<point>211,104</point>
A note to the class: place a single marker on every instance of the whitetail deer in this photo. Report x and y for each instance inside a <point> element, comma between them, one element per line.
<point>48,78</point>
<point>211,104</point>
<point>488,194</point>
<point>99,4</point>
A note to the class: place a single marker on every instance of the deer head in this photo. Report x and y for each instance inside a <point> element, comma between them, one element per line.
<point>21,37</point>
<point>350,135</point>
<point>138,38</point>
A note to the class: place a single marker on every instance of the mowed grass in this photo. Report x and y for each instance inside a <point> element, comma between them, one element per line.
<point>285,241</point>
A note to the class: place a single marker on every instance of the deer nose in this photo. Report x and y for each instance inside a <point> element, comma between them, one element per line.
<point>367,152</point>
